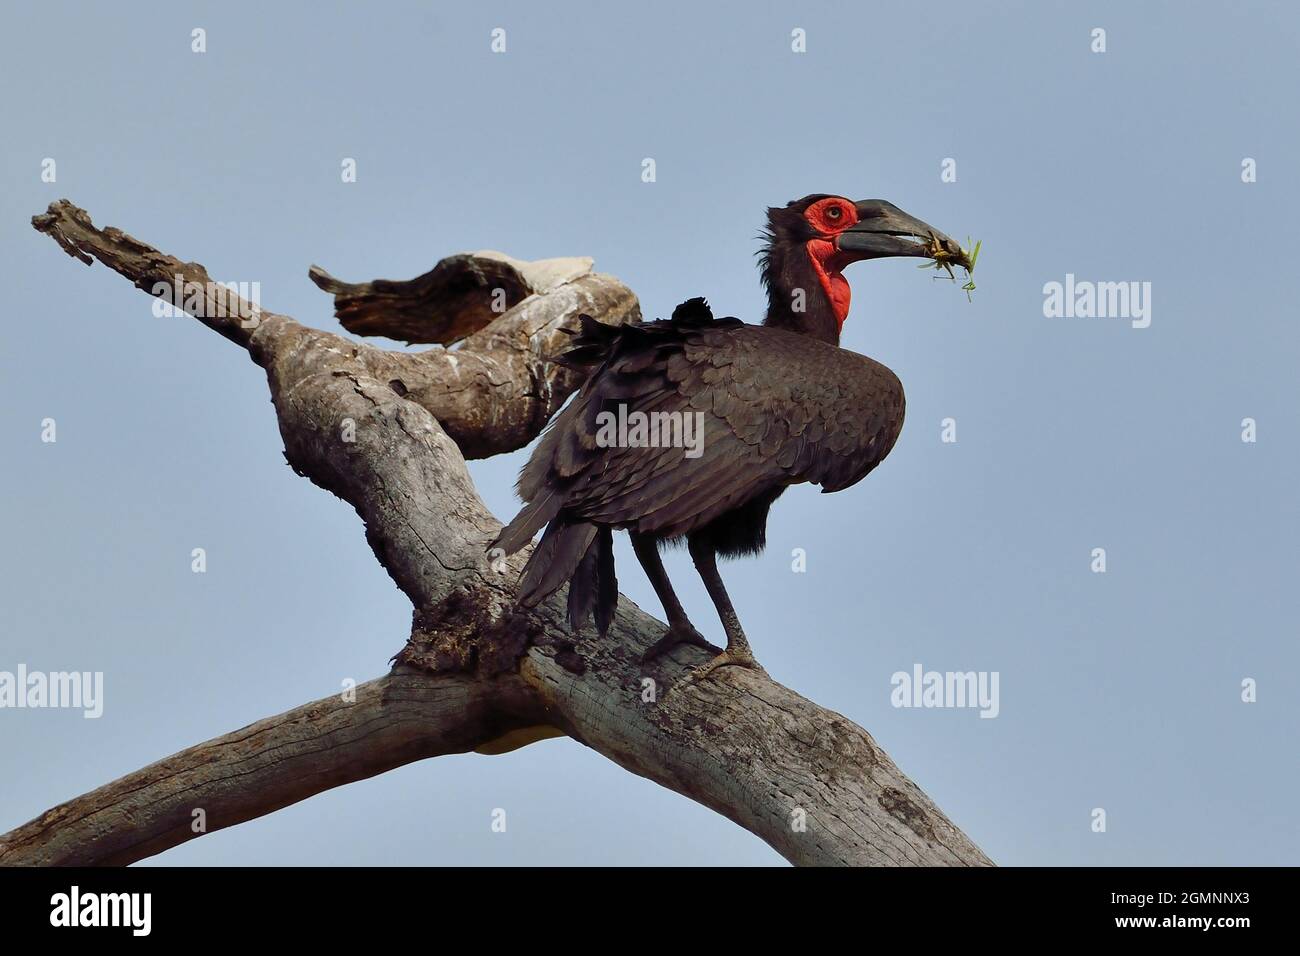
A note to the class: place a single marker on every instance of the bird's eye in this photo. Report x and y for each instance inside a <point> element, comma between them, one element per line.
<point>834,213</point>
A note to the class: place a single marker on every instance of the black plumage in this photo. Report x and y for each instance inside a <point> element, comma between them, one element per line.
<point>776,405</point>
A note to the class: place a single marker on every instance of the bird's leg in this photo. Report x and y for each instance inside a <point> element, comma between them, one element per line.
<point>737,652</point>
<point>679,630</point>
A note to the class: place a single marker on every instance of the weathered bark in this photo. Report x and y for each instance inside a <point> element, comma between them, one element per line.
<point>267,765</point>
<point>475,674</point>
<point>454,299</point>
<point>496,391</point>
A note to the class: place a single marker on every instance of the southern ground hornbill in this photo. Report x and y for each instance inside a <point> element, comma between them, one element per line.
<point>775,405</point>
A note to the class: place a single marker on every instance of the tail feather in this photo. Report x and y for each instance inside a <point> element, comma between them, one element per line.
<point>593,589</point>
<point>607,588</point>
<point>528,522</point>
<point>583,586</point>
<point>554,560</point>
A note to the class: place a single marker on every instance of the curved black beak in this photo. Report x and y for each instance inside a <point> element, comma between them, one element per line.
<point>883,229</point>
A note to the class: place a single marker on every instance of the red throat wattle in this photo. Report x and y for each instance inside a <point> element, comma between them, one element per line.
<point>827,262</point>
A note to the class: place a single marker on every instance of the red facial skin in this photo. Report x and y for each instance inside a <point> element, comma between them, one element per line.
<point>830,217</point>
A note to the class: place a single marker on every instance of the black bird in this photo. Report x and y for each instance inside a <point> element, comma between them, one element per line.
<point>775,405</point>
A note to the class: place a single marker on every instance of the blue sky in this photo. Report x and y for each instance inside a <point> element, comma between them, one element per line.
<point>1119,690</point>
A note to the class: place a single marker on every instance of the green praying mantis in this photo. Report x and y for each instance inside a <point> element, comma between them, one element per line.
<point>941,257</point>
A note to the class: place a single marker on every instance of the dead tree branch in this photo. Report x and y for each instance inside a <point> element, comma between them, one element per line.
<point>388,432</point>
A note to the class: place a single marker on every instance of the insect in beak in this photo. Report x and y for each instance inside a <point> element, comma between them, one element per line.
<point>944,258</point>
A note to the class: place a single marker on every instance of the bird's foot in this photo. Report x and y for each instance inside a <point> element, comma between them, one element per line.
<point>731,657</point>
<point>680,633</point>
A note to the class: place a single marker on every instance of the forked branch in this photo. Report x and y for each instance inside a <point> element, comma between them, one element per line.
<point>388,432</point>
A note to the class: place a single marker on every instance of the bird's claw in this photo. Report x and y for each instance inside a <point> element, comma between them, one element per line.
<point>675,635</point>
<point>728,658</point>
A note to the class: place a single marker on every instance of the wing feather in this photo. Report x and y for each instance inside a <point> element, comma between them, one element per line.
<point>775,408</point>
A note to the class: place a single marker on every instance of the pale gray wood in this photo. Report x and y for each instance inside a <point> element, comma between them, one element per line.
<point>474,674</point>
